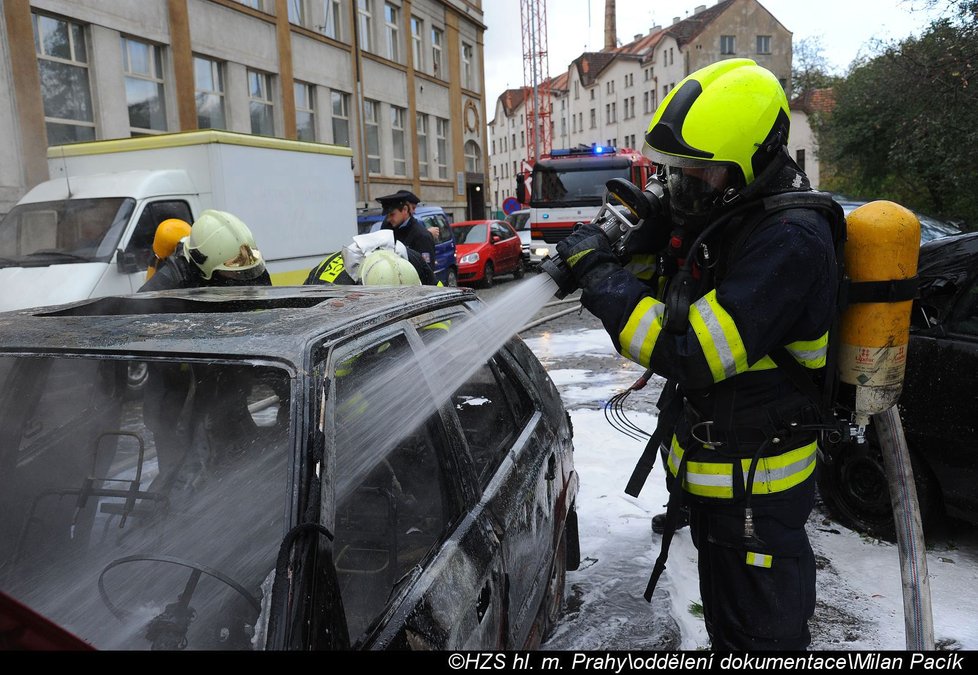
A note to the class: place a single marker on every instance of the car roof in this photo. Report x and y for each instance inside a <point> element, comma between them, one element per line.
<point>270,322</point>
<point>479,222</point>
<point>949,259</point>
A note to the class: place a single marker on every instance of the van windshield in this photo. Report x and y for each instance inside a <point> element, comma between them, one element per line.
<point>142,503</point>
<point>64,231</point>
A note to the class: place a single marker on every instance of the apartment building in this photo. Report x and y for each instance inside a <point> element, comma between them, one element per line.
<point>401,82</point>
<point>607,97</point>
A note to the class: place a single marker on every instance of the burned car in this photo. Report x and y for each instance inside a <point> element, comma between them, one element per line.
<point>295,471</point>
<point>938,406</point>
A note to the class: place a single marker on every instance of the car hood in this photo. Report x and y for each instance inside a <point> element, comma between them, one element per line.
<point>463,249</point>
<point>52,285</point>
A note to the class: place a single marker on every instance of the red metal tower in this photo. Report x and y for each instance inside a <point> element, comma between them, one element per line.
<point>536,78</point>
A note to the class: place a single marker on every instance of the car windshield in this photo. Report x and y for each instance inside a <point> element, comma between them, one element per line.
<point>143,503</point>
<point>518,220</point>
<point>581,185</point>
<point>64,231</point>
<point>471,234</point>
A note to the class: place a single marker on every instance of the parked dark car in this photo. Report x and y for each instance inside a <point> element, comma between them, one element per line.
<point>289,477</point>
<point>438,223</point>
<point>938,406</point>
<point>930,227</point>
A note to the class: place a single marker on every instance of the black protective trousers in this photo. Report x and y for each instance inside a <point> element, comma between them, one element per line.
<point>748,607</point>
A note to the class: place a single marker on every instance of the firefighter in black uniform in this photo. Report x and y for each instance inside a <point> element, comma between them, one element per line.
<point>220,251</point>
<point>407,229</point>
<point>743,288</point>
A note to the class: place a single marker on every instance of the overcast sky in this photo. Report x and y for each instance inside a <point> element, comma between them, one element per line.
<point>846,28</point>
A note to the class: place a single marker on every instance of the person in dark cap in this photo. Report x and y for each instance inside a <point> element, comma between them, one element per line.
<point>398,210</point>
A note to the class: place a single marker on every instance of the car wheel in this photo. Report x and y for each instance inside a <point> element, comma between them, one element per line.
<point>520,270</point>
<point>854,488</point>
<point>488,275</point>
<point>452,277</point>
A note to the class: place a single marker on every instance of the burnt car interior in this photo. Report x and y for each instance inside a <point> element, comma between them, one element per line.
<point>143,515</point>
<point>394,503</point>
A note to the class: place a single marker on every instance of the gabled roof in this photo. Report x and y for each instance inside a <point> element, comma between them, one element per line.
<point>559,83</point>
<point>643,45</point>
<point>686,30</point>
<point>590,64</point>
<point>512,99</point>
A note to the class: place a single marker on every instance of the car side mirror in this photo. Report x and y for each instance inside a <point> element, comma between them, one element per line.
<point>520,190</point>
<point>126,262</point>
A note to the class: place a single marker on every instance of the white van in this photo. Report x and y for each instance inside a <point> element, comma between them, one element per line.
<point>88,231</point>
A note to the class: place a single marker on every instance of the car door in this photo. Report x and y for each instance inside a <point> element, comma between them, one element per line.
<point>416,565</point>
<point>503,249</point>
<point>511,446</point>
<point>940,402</point>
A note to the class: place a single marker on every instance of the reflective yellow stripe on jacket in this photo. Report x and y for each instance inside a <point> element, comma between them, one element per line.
<point>718,337</point>
<point>774,474</point>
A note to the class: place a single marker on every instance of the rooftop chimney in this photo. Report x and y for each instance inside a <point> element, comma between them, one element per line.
<point>699,9</point>
<point>610,27</point>
<point>638,36</point>
<point>675,20</point>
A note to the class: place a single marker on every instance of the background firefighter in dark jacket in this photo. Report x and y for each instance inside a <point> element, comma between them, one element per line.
<point>736,285</point>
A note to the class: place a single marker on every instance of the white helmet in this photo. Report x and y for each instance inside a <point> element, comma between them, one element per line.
<point>220,242</point>
<point>386,268</point>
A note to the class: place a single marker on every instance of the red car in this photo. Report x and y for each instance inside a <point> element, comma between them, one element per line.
<point>485,248</point>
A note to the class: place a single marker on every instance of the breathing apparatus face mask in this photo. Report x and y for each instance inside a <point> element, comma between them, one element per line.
<point>695,193</point>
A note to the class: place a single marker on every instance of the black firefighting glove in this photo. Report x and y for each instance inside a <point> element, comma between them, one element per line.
<point>588,254</point>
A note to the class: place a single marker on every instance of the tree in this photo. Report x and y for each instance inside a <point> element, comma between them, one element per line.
<point>809,67</point>
<point>905,122</point>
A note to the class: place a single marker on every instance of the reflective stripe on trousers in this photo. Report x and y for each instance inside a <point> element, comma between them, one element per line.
<point>775,473</point>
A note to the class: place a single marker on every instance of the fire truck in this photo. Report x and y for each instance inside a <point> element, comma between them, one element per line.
<point>567,187</point>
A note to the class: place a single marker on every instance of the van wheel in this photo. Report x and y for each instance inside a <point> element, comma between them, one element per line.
<point>488,275</point>
<point>452,277</point>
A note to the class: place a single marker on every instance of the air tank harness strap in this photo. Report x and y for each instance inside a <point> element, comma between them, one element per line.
<point>893,290</point>
<point>669,529</point>
<point>670,405</point>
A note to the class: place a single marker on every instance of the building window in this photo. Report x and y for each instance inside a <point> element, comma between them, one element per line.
<point>594,118</point>
<point>297,12</point>
<point>143,71</point>
<point>592,94</point>
<point>577,90</point>
<point>726,44</point>
<point>254,4</point>
<point>422,133</point>
<point>522,138</point>
<point>332,19</point>
<point>260,103</point>
<point>209,93</point>
<point>610,87</point>
<point>365,24</point>
<point>393,34</point>
<point>645,102</point>
<point>800,158</point>
<point>397,137</point>
<point>371,116</point>
<point>763,44</point>
<point>62,59</point>
<point>437,38</point>
<point>340,103</point>
<point>441,149</point>
<point>473,157</point>
<point>305,111</point>
<point>417,46</point>
<point>467,66</point>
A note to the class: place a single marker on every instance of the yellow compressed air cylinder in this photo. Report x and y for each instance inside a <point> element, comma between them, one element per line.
<point>883,245</point>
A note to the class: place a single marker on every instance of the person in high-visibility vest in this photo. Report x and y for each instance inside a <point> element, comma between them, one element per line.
<point>740,288</point>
